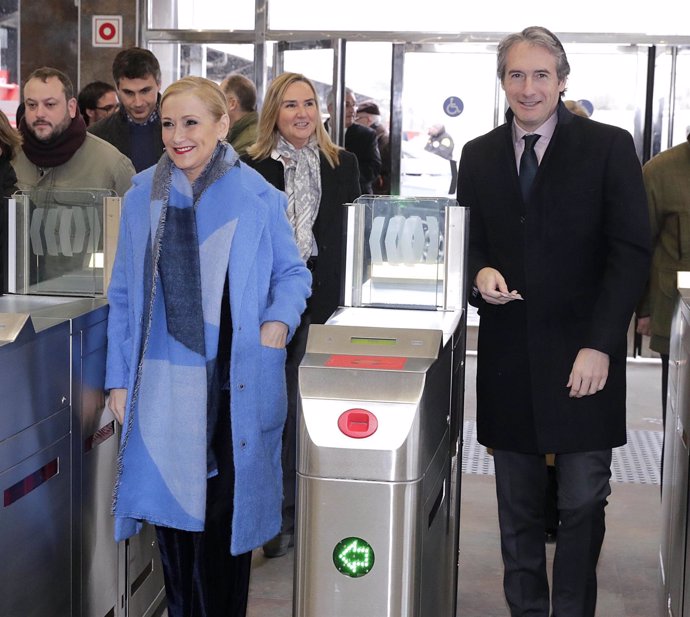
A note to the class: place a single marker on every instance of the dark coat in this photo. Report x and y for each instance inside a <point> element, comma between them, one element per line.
<point>115,130</point>
<point>8,185</point>
<point>338,186</point>
<point>362,142</point>
<point>579,255</point>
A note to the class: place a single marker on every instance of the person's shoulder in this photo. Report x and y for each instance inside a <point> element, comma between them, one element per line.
<point>106,125</point>
<point>346,160</point>
<point>488,140</point>
<point>677,155</point>
<point>362,131</point>
<point>103,149</point>
<point>254,182</point>
<point>595,129</point>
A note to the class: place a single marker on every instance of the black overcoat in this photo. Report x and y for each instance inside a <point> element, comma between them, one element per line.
<point>578,253</point>
<point>339,186</point>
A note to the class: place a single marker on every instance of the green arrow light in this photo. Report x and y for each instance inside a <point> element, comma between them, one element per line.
<point>353,557</point>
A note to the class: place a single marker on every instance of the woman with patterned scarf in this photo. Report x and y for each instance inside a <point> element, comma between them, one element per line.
<point>207,288</point>
<point>295,154</point>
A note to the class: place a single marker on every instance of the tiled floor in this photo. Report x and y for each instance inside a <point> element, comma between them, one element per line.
<point>628,569</point>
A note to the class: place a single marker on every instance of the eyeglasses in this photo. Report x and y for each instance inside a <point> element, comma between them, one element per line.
<point>108,108</point>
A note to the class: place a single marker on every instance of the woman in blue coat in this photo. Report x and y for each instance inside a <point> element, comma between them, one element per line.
<point>206,290</point>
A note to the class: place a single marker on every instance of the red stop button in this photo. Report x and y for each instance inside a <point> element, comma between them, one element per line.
<point>357,423</point>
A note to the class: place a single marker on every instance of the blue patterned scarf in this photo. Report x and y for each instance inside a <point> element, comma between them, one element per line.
<point>164,460</point>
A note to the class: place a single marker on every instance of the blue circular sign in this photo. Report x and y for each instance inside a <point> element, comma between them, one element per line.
<point>453,106</point>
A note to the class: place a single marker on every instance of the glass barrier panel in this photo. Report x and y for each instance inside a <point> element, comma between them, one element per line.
<point>59,244</point>
<point>400,250</point>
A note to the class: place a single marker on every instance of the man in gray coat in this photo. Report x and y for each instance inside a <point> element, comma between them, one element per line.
<point>558,257</point>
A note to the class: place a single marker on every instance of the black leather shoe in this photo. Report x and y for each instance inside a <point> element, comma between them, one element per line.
<point>278,546</point>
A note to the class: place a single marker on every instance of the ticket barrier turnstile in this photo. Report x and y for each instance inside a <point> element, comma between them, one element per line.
<point>58,440</point>
<point>377,514</point>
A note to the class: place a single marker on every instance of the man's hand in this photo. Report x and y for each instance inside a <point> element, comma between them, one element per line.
<point>273,334</point>
<point>589,373</point>
<point>644,325</point>
<point>492,286</point>
<point>116,403</point>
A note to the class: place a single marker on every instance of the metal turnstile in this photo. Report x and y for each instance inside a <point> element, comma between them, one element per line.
<point>58,453</point>
<point>35,469</point>
<point>381,390</point>
<point>58,441</point>
<point>376,507</point>
<point>675,548</point>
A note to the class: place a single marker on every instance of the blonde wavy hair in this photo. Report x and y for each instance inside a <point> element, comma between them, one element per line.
<point>267,132</point>
<point>207,91</point>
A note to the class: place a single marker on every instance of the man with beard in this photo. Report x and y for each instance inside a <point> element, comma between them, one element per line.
<point>57,152</point>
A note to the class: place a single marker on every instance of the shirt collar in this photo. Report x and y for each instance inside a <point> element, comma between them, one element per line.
<point>546,130</point>
<point>150,120</point>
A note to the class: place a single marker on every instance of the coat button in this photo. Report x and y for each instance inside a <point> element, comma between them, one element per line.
<point>243,443</point>
<point>522,219</point>
<point>240,387</point>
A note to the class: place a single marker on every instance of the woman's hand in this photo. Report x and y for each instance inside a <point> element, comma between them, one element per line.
<point>117,400</point>
<point>273,334</point>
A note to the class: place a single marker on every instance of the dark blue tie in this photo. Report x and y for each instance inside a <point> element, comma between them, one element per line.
<point>528,165</point>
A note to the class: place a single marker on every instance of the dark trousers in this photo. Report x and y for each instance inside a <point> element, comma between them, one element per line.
<point>583,487</point>
<point>295,353</point>
<point>202,578</point>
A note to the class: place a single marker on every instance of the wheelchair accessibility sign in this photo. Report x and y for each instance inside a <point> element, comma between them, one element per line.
<point>453,106</point>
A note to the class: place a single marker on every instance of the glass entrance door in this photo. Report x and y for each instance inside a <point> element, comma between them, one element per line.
<point>449,96</point>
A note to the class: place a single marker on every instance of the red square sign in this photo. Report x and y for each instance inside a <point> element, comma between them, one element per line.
<point>107,31</point>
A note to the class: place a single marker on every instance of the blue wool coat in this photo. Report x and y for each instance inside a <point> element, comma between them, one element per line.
<point>268,282</point>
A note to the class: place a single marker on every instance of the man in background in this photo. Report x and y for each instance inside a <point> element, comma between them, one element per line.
<point>240,94</point>
<point>359,140</point>
<point>135,130</point>
<point>97,100</point>
<point>440,142</point>
<point>369,115</point>
<point>667,181</point>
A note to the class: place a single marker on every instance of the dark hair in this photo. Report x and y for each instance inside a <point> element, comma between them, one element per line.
<point>135,63</point>
<point>243,88</point>
<point>46,72</point>
<point>10,138</point>
<point>89,95</point>
<point>534,35</point>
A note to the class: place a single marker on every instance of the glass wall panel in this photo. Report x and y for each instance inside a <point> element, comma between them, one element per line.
<point>613,79</point>
<point>667,17</point>
<point>317,65</point>
<point>9,58</point>
<point>668,134</point>
<point>681,122</point>
<point>202,14</point>
<point>452,89</point>
<point>212,61</point>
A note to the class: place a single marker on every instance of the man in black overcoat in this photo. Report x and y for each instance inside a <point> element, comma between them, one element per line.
<point>558,255</point>
<point>360,140</point>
